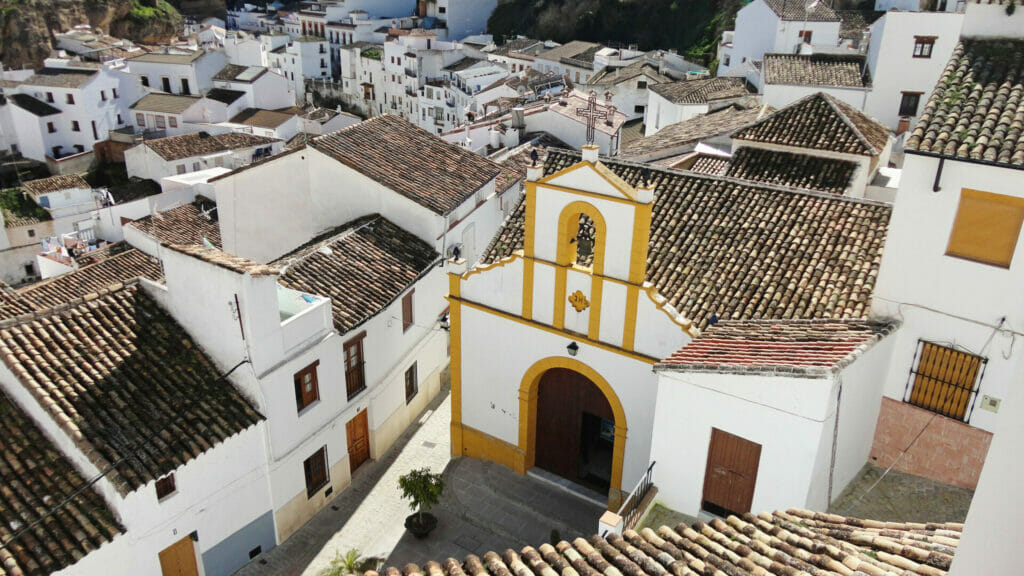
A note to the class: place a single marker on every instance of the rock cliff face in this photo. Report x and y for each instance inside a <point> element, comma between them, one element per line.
<point>27,26</point>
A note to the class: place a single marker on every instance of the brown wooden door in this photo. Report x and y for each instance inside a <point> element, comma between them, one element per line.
<point>563,397</point>
<point>731,473</point>
<point>358,440</point>
<point>179,559</point>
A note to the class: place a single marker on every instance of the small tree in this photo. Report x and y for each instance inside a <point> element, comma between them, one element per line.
<point>423,488</point>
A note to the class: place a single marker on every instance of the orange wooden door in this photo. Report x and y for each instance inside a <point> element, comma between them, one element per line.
<point>358,440</point>
<point>179,559</point>
<point>731,473</point>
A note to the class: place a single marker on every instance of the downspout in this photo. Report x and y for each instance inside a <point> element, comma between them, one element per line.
<point>835,441</point>
<point>938,174</point>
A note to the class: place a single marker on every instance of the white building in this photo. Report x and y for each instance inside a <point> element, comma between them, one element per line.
<point>25,224</point>
<point>627,86</point>
<point>165,114</point>
<point>154,159</point>
<point>575,59</point>
<point>306,58</point>
<point>177,71</point>
<point>674,102</point>
<point>263,88</point>
<point>268,123</point>
<point>679,141</point>
<point>786,78</point>
<point>363,77</point>
<point>778,26</point>
<point>457,18</point>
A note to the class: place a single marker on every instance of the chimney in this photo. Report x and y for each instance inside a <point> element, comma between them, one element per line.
<point>903,125</point>
<point>494,137</point>
<point>590,152</point>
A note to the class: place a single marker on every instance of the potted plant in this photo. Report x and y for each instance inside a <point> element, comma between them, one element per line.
<point>423,488</point>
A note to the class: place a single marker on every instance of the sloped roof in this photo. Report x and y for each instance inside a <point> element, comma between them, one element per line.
<point>801,10</point>
<point>33,105</point>
<point>839,70</point>
<point>792,543</point>
<point>36,477</point>
<point>371,262</point>
<point>430,171</point>
<point>819,122</point>
<point>201,144</point>
<point>168,58</point>
<point>60,77</point>
<point>166,103</point>
<point>126,383</point>
<point>55,184</point>
<point>186,224</point>
<point>92,278</point>
<point>639,68</point>
<point>669,139</point>
<point>261,118</point>
<point>781,347</point>
<point>222,259</point>
<point>238,73</point>
<point>577,53</point>
<point>702,90</point>
<point>710,164</point>
<point>770,253</point>
<point>224,95</point>
<point>792,170</point>
<point>975,110</point>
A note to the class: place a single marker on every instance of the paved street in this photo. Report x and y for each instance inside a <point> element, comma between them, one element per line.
<point>485,507</point>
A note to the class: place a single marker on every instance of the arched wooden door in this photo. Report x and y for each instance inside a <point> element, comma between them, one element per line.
<point>575,429</point>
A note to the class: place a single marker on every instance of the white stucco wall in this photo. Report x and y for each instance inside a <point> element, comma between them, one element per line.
<point>991,21</point>
<point>781,95</point>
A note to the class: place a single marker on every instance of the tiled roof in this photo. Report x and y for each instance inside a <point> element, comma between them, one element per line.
<point>201,144</point>
<point>218,257</point>
<point>710,164</point>
<point>261,118</point>
<point>703,90</point>
<point>369,263</point>
<point>166,103</point>
<point>785,347</point>
<point>514,45</point>
<point>462,64</point>
<point>976,111</point>
<point>639,68</point>
<point>33,105</point>
<point>60,77</point>
<point>187,224</point>
<point>854,23</point>
<point>743,251</point>
<point>11,303</point>
<point>224,95</point>
<point>797,10</point>
<point>792,170</point>
<point>418,165</point>
<point>93,278</point>
<point>166,58</point>
<point>790,543</point>
<point>55,184</point>
<point>134,189</point>
<point>668,140</point>
<point>577,52</point>
<point>568,106</point>
<point>36,477</point>
<point>847,71</point>
<point>819,122</point>
<point>126,383</point>
<point>237,73</point>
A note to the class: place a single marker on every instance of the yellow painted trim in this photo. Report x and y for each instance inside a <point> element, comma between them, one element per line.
<point>596,290</point>
<point>534,324</point>
<point>528,412</point>
<point>685,324</point>
<point>603,171</point>
<point>477,444</point>
<point>455,361</point>
<point>498,264</point>
<point>629,326</point>
<point>530,226</point>
<point>558,320</point>
<point>558,188</point>
<point>528,288</point>
<point>641,243</point>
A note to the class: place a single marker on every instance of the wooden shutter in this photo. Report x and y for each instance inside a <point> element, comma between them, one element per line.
<point>354,374</point>
<point>306,386</point>
<point>731,473</point>
<point>944,380</point>
<point>986,227</point>
<point>407,319</point>
<point>316,471</point>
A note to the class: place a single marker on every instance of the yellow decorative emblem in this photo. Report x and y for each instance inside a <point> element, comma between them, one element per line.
<point>579,301</point>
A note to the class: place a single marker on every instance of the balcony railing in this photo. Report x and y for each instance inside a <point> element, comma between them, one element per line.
<point>410,72</point>
<point>633,508</point>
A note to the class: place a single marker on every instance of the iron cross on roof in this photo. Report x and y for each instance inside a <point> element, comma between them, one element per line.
<point>593,112</point>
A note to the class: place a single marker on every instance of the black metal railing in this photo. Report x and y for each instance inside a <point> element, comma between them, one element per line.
<point>944,380</point>
<point>630,511</point>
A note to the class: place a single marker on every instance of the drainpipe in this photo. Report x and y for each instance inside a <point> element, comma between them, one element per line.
<point>938,174</point>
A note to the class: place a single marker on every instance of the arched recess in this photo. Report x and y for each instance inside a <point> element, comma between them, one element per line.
<point>568,229</point>
<point>528,414</point>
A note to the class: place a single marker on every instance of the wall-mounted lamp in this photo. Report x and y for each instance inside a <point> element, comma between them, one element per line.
<point>572,348</point>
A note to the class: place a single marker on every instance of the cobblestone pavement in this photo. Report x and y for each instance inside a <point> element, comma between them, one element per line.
<point>902,497</point>
<point>485,507</point>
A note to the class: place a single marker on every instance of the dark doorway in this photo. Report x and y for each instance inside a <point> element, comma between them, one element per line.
<point>166,83</point>
<point>184,87</point>
<point>575,429</point>
<point>731,474</point>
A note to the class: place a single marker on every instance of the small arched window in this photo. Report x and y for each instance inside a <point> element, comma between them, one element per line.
<point>585,240</point>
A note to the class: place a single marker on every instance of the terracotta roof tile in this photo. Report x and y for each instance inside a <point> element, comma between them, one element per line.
<point>187,224</point>
<point>418,165</point>
<point>819,122</point>
<point>217,257</point>
<point>201,144</point>
<point>577,53</point>
<point>13,304</point>
<point>848,71</point>
<point>166,103</point>
<point>975,110</point>
<point>367,264</point>
<point>261,118</point>
<point>778,346</point>
<point>169,58</point>
<point>55,184</point>
<point>60,77</point>
<point>703,90</point>
<point>798,10</point>
<point>710,164</point>
<point>93,278</point>
<point>668,141</point>
<point>791,170</point>
<point>794,542</point>
<point>744,251</point>
<point>126,383</point>
<point>36,477</point>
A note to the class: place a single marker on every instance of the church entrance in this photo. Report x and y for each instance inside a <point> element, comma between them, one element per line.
<point>575,429</point>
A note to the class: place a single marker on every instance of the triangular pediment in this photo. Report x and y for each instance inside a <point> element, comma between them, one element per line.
<point>595,178</point>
